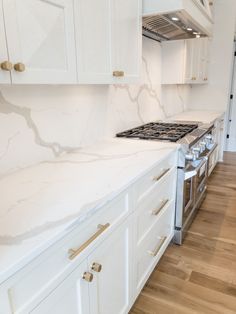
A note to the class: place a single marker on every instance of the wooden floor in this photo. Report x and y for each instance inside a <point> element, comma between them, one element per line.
<point>200,276</point>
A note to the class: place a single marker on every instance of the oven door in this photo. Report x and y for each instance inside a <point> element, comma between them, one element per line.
<point>185,195</point>
<point>190,181</point>
<point>212,156</point>
<point>200,181</point>
<point>212,159</point>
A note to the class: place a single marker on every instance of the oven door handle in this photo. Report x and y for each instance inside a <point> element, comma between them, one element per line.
<point>211,151</point>
<point>192,173</point>
<point>189,174</point>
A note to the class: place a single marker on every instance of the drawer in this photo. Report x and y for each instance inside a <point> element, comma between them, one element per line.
<point>152,247</point>
<point>57,262</point>
<point>154,177</point>
<point>154,203</point>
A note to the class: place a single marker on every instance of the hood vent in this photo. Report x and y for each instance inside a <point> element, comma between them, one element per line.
<point>176,24</point>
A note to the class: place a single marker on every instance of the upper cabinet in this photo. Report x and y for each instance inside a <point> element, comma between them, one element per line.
<point>70,41</point>
<point>185,61</point>
<point>5,77</point>
<point>108,40</point>
<point>40,38</point>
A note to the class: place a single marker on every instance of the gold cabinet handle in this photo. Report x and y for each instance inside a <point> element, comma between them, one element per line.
<point>6,66</point>
<point>75,252</point>
<point>155,212</point>
<point>96,267</point>
<point>118,73</point>
<point>165,171</point>
<point>88,276</point>
<point>19,67</point>
<point>158,248</point>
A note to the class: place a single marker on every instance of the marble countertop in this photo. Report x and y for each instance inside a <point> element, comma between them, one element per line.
<point>40,204</point>
<point>208,117</point>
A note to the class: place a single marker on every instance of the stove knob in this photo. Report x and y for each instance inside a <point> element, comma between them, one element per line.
<point>209,140</point>
<point>203,146</point>
<point>196,152</point>
<point>209,137</point>
<point>189,156</point>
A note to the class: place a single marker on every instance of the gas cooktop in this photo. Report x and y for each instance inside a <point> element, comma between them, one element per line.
<point>164,131</point>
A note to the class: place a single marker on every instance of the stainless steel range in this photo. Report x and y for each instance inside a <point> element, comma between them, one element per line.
<point>197,146</point>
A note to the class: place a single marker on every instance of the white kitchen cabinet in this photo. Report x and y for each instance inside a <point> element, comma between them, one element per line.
<point>40,39</point>
<point>5,77</point>
<point>108,38</point>
<point>71,295</point>
<point>154,221</point>
<point>108,285</point>
<point>185,61</point>
<point>100,266</point>
<point>111,289</point>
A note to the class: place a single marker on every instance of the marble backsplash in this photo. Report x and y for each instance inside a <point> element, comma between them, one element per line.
<point>39,123</point>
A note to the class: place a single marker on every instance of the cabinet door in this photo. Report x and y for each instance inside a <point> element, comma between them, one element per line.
<point>71,296</point>
<point>93,37</point>
<point>126,39</point>
<point>193,56</point>
<point>108,39</point>
<point>205,59</point>
<point>110,291</point>
<point>4,75</point>
<point>40,35</point>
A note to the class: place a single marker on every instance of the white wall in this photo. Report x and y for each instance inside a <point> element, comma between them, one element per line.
<point>41,122</point>
<point>215,95</point>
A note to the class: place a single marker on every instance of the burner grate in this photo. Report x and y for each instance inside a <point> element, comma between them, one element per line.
<point>160,131</point>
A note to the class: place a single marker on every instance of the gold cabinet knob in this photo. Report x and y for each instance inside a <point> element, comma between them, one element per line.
<point>6,66</point>
<point>19,67</point>
<point>96,267</point>
<point>88,276</point>
<point>118,73</point>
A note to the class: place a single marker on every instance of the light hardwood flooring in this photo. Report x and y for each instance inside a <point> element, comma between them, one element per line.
<point>200,276</point>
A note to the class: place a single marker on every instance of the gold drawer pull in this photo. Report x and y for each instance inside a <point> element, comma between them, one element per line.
<point>157,250</point>
<point>118,73</point>
<point>155,212</point>
<point>165,171</point>
<point>96,267</point>
<point>88,276</point>
<point>6,66</point>
<point>19,67</point>
<point>75,252</point>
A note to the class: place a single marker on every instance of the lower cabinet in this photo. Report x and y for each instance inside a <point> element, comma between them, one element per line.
<point>101,266</point>
<point>100,284</point>
<point>110,291</point>
<point>71,296</point>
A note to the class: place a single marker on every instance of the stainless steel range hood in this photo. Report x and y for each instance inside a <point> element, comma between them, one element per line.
<point>176,19</point>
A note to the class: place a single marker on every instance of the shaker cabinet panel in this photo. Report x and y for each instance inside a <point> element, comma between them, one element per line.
<point>71,296</point>
<point>126,41</point>
<point>5,77</point>
<point>93,37</point>
<point>108,38</point>
<point>185,61</point>
<point>110,291</point>
<point>40,37</point>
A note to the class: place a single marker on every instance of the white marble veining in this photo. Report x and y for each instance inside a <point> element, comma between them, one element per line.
<point>40,203</point>
<point>39,123</point>
<point>208,117</point>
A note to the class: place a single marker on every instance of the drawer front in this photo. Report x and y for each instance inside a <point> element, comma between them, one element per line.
<point>152,247</point>
<point>34,282</point>
<point>154,177</point>
<point>152,206</point>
